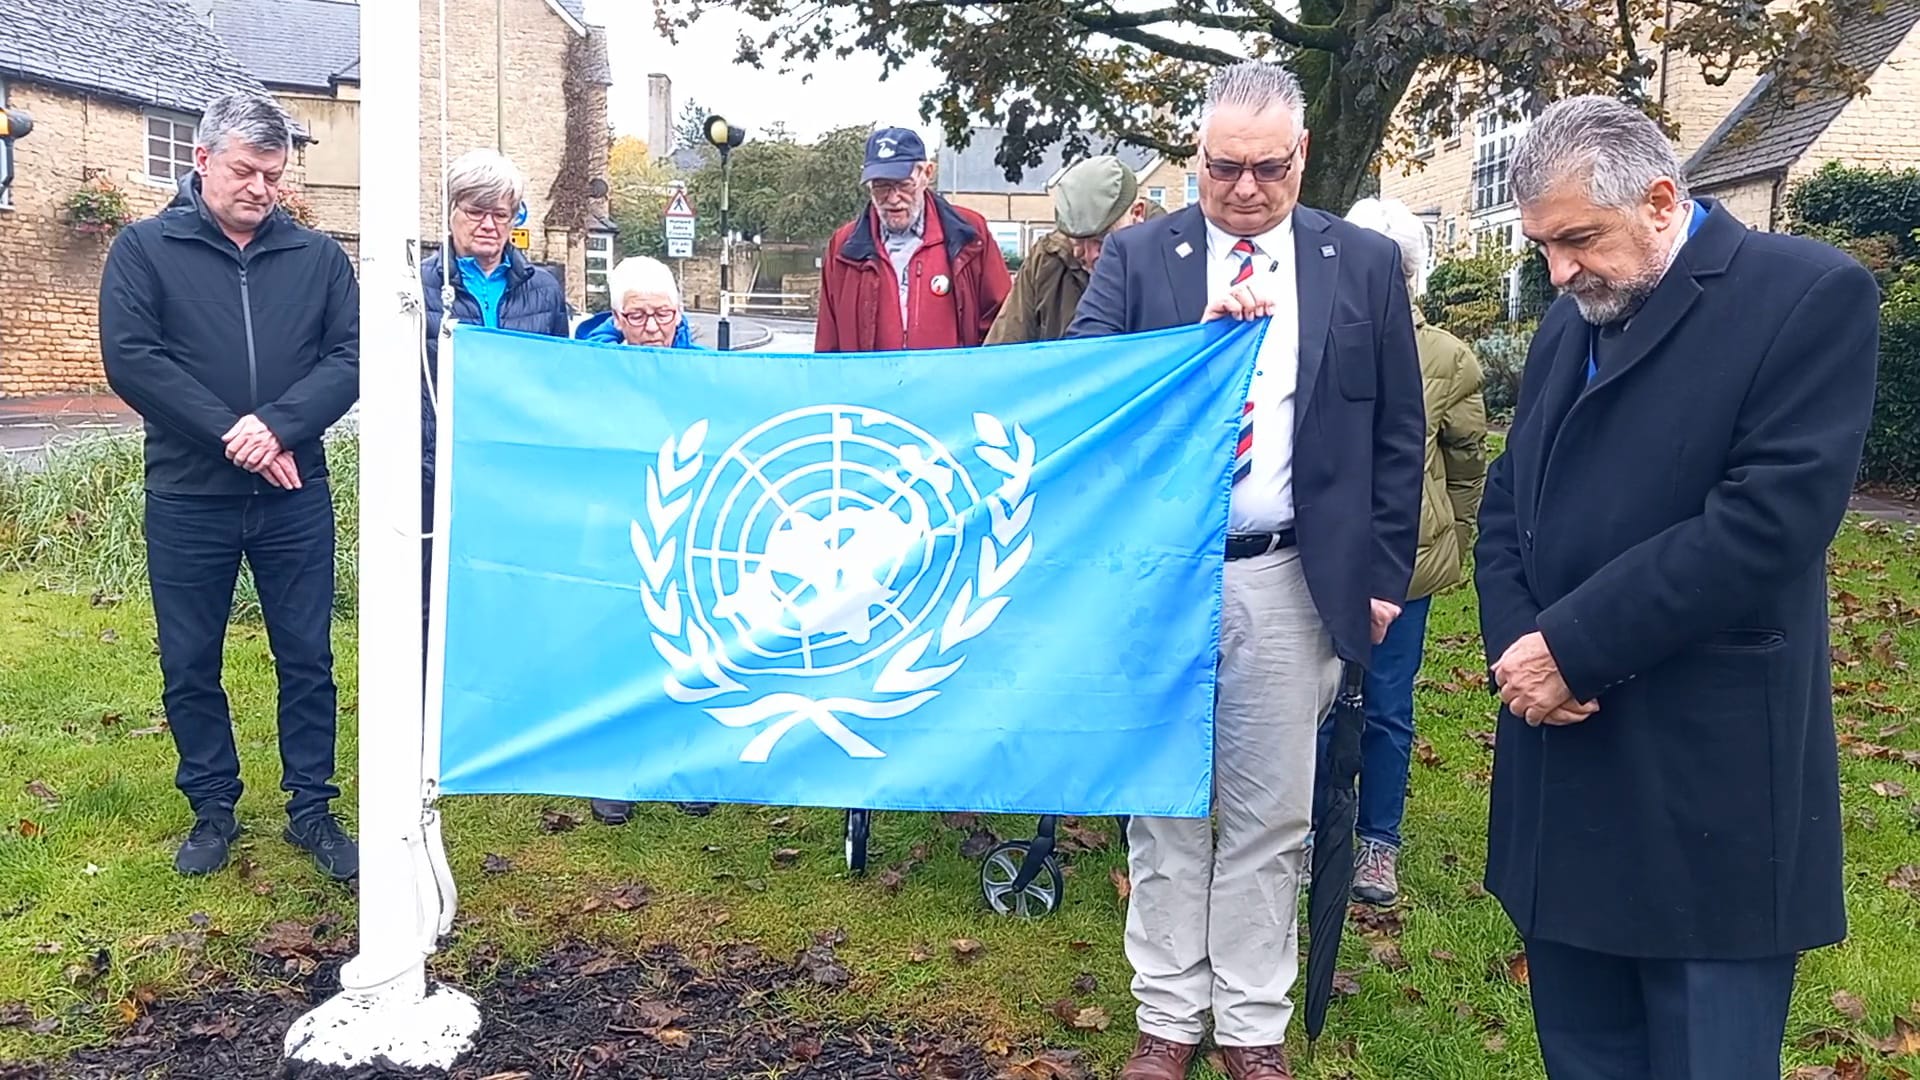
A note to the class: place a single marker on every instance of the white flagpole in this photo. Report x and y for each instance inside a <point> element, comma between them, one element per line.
<point>385,1008</point>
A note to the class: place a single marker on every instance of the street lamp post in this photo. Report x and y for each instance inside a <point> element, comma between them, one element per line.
<point>725,137</point>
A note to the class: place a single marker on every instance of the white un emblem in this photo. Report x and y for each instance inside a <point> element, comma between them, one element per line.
<point>825,538</point>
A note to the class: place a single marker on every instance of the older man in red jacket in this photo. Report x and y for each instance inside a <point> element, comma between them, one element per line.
<point>914,271</point>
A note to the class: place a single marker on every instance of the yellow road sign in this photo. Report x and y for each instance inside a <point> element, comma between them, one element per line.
<point>522,239</point>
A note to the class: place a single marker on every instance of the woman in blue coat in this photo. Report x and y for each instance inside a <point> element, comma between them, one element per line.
<point>646,308</point>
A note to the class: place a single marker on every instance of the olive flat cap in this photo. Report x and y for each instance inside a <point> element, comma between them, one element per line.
<point>1092,195</point>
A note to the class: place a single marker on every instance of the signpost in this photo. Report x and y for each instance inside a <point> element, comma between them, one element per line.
<point>681,223</point>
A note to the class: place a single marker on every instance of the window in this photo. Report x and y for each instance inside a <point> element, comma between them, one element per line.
<point>1495,137</point>
<point>6,159</point>
<point>1157,194</point>
<point>1423,144</point>
<point>599,261</point>
<point>169,146</point>
<point>1193,188</point>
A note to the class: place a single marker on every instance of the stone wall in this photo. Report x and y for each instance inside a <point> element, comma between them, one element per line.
<point>50,274</point>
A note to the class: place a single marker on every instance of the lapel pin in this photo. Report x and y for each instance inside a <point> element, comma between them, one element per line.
<point>1185,249</point>
<point>1326,251</point>
<point>941,286</point>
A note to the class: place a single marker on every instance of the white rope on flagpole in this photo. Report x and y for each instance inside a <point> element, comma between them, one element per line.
<point>386,1007</point>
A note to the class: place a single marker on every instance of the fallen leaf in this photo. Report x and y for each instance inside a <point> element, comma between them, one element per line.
<point>47,948</point>
<point>110,637</point>
<point>599,965</point>
<point>1517,968</point>
<point>1387,955</point>
<point>38,789</point>
<point>806,1048</point>
<point>1495,1043</point>
<point>822,968</point>
<point>673,1039</point>
<point>960,820</point>
<point>1051,1065</point>
<point>199,919</point>
<point>780,822</point>
<point>1345,983</point>
<point>93,871</point>
<point>496,864</point>
<point>630,897</point>
<point>1849,1005</point>
<point>28,829</point>
<point>1904,1040</point>
<point>1122,884</point>
<point>1443,956</point>
<point>966,950</point>
<point>786,856</point>
<point>1906,878</point>
<point>1484,738</point>
<point>890,880</point>
<point>1425,754</point>
<point>102,598</point>
<point>1077,837</point>
<point>1086,984</point>
<point>1084,946</point>
<point>556,821</point>
<point>15,1014</point>
<point>1073,1015</point>
<point>1376,922</point>
<point>108,719</point>
<point>920,953</point>
<point>978,843</point>
<point>1476,891</point>
<point>46,1026</point>
<point>263,888</point>
<point>1888,789</point>
<point>652,1016</point>
<point>514,1075</point>
<point>223,1026</point>
<point>1820,1038</point>
<point>157,729</point>
<point>1413,995</point>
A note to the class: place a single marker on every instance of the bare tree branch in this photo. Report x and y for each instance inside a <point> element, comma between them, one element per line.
<point>1165,46</point>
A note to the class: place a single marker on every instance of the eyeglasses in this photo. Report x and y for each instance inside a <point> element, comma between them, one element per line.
<point>1271,171</point>
<point>886,188</point>
<point>657,316</point>
<point>480,216</point>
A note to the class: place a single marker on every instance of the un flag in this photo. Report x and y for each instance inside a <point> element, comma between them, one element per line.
<point>982,579</point>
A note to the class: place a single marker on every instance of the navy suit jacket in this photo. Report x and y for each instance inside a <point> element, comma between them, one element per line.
<point>1359,418</point>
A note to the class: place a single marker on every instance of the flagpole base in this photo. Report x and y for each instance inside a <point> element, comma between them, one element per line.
<point>404,1022</point>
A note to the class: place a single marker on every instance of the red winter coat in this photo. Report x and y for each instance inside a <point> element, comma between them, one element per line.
<point>860,295</point>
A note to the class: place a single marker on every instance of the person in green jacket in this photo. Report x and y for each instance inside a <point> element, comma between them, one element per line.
<point>1449,503</point>
<point>1090,200</point>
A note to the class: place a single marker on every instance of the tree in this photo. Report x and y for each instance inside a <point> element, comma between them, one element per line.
<point>690,131</point>
<point>787,191</point>
<point>638,188</point>
<point>1078,71</point>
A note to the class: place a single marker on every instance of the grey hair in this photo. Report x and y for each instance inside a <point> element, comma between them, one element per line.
<point>1603,144</point>
<point>1256,86</point>
<point>485,176</point>
<point>256,119</point>
<point>1392,219</point>
<point>641,274</point>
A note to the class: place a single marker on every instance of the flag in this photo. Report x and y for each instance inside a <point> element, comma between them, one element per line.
<point>979,579</point>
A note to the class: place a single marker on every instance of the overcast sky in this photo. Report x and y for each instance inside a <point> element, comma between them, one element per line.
<point>702,68</point>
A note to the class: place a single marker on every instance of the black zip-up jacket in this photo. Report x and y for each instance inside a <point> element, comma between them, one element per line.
<point>197,333</point>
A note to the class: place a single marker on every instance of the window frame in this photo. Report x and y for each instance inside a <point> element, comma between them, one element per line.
<point>177,122</point>
<point>596,280</point>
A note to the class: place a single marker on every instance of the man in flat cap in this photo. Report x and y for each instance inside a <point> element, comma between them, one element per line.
<point>1092,199</point>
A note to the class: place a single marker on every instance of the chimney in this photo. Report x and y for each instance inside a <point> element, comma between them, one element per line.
<point>660,115</point>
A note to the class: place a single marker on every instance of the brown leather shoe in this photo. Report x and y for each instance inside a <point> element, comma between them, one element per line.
<point>1256,1063</point>
<point>1158,1059</point>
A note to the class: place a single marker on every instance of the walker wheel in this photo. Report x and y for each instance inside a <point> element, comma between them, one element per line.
<point>998,871</point>
<point>858,822</point>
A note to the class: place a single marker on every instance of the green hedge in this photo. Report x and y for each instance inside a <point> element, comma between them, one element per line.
<point>74,521</point>
<point>1874,215</point>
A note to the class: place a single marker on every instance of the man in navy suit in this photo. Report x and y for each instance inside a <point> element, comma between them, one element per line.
<point>1665,821</point>
<point>1322,531</point>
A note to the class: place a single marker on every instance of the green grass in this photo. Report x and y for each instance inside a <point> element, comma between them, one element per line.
<point>72,707</point>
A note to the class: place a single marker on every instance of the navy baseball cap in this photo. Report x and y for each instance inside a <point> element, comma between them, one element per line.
<point>892,153</point>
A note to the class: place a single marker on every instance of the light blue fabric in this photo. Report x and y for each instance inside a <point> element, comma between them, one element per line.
<point>964,580</point>
<point>486,288</point>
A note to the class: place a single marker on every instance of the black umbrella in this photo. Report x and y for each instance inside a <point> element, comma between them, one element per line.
<point>1334,800</point>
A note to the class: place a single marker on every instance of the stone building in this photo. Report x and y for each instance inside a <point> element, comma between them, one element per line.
<point>115,88</point>
<point>1741,141</point>
<point>1020,212</point>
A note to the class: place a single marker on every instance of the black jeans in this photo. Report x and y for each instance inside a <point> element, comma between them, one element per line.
<point>194,547</point>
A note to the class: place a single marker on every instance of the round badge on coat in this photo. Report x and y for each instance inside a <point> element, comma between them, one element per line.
<point>941,286</point>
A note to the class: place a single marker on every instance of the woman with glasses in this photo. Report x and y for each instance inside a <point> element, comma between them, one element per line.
<point>646,308</point>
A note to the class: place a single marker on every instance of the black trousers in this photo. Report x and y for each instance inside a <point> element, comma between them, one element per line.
<point>1604,1017</point>
<point>194,547</point>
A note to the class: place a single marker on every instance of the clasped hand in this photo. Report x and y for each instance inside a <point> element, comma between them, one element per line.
<point>1532,687</point>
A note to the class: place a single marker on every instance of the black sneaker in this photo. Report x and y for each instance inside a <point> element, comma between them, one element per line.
<point>205,848</point>
<point>611,811</point>
<point>323,838</point>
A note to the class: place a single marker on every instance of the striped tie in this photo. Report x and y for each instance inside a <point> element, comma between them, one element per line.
<point>1243,450</point>
<point>1245,250</point>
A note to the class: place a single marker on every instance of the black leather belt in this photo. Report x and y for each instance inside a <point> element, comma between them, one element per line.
<point>1249,545</point>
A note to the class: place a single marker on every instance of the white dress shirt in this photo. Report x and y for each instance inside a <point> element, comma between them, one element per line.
<point>1263,502</point>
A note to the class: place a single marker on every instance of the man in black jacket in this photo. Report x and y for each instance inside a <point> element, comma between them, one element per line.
<point>235,333</point>
<point>1665,820</point>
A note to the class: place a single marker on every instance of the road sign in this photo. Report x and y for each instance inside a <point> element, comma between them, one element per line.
<point>520,215</point>
<point>680,228</point>
<point>522,239</point>
<point>680,206</point>
<point>680,248</point>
